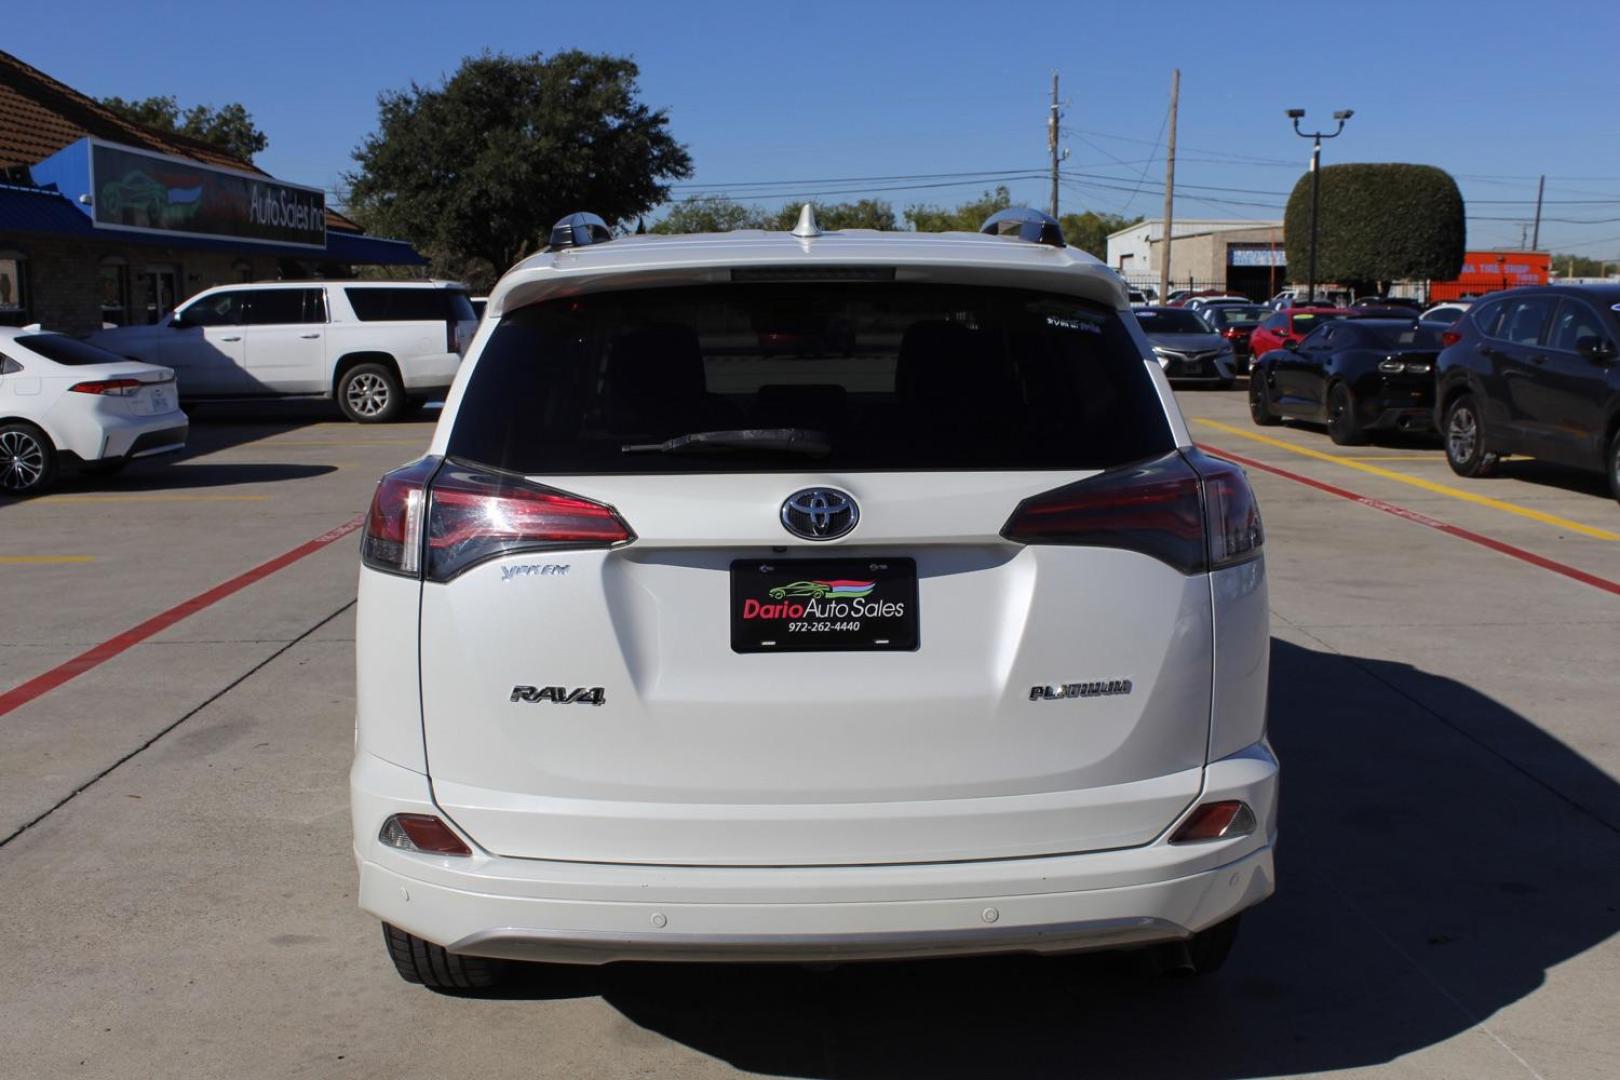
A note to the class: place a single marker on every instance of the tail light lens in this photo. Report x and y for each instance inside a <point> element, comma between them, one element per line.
<point>1191,511</point>
<point>1450,337</point>
<point>475,515</point>
<point>1216,821</point>
<point>433,522</point>
<point>113,387</point>
<point>392,540</point>
<point>422,832</point>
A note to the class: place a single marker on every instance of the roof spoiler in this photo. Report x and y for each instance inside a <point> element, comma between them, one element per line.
<point>579,230</point>
<point>1025,223</point>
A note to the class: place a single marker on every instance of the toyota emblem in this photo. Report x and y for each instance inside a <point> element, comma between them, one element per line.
<point>819,514</point>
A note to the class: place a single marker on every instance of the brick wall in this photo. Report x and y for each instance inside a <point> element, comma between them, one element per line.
<point>63,277</point>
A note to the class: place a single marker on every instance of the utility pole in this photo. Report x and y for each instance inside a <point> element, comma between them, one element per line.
<point>1169,187</point>
<point>1052,142</point>
<point>1535,237</point>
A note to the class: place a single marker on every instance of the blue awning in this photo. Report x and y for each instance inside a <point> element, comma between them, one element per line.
<point>41,212</point>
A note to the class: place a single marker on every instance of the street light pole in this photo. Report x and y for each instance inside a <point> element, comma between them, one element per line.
<point>1316,137</point>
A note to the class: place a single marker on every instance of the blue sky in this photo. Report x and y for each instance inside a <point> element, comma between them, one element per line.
<point>1493,92</point>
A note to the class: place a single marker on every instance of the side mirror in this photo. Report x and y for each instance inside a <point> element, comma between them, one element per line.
<point>1291,345</point>
<point>1594,348</point>
<point>178,321</point>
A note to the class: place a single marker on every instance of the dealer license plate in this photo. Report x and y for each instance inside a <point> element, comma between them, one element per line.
<point>823,605</point>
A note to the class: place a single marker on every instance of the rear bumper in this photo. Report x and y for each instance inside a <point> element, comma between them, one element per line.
<point>593,913</point>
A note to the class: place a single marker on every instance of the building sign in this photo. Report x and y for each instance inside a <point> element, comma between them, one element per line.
<point>1256,255</point>
<point>1487,271</point>
<point>145,192</point>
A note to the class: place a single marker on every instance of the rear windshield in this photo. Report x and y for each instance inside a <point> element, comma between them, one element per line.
<point>895,376</point>
<point>373,304</point>
<point>1402,335</point>
<point>1171,321</point>
<point>66,350</point>
<point>1238,315</point>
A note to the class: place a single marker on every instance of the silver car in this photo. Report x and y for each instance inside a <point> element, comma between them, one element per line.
<point>1187,347</point>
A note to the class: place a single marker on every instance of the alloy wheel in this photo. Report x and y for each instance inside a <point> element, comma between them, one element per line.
<point>1462,434</point>
<point>367,394</point>
<point>22,460</point>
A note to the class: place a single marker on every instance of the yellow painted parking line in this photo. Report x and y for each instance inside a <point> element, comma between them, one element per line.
<point>43,560</point>
<point>142,497</point>
<point>1388,457</point>
<point>1418,482</point>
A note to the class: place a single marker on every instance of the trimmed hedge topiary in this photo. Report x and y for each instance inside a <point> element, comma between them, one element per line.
<point>1379,223</point>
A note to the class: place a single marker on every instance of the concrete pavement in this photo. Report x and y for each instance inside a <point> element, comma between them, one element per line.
<point>184,905</point>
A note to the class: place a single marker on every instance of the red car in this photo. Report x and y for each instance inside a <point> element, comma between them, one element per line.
<point>1283,327</point>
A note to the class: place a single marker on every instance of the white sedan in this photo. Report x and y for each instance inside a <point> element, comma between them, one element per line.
<point>63,401</point>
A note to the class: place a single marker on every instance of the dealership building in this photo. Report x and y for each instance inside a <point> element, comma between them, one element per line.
<point>107,222</point>
<point>1245,258</point>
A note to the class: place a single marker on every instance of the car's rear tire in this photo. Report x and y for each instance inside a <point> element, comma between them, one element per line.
<point>1464,436</point>
<point>437,968</point>
<point>28,459</point>
<point>1614,466</point>
<point>1260,400</point>
<point>370,394</point>
<point>1344,426</point>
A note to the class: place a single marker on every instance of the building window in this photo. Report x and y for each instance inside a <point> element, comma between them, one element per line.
<point>114,278</point>
<point>13,290</point>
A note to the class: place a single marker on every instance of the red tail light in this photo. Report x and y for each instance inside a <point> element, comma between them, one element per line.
<point>422,832</point>
<point>1216,821</point>
<point>1191,511</point>
<point>392,540</point>
<point>467,515</point>
<point>1450,337</point>
<point>115,387</point>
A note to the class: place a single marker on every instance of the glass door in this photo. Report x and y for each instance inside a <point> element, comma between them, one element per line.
<point>158,292</point>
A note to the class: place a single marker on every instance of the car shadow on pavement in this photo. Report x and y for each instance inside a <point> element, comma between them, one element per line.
<point>1425,883</point>
<point>1547,474</point>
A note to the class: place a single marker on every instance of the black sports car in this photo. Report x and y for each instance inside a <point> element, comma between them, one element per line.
<point>1356,375</point>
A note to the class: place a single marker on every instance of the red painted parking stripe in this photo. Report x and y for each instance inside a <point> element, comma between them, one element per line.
<point>97,655</point>
<point>1423,519</point>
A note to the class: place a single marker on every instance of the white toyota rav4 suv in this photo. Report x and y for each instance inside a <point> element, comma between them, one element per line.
<point>810,597</point>
<point>372,345</point>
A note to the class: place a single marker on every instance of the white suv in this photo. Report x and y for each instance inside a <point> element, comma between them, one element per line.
<point>810,597</point>
<point>373,346</point>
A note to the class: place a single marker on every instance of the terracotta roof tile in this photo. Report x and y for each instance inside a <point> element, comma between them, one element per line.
<point>39,116</point>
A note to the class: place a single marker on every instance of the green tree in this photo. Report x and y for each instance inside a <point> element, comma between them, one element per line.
<point>863,214</point>
<point>1089,231</point>
<point>964,218</point>
<point>1583,266</point>
<point>1378,224</point>
<point>476,171</point>
<point>229,127</point>
<point>709,213</point>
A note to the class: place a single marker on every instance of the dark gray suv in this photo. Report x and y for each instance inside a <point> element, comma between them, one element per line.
<point>1534,371</point>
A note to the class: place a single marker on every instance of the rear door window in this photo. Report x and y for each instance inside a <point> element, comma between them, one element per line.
<point>896,376</point>
<point>271,307</point>
<point>1526,319</point>
<point>69,351</point>
<point>383,304</point>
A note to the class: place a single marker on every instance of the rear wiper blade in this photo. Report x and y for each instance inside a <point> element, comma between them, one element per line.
<point>780,440</point>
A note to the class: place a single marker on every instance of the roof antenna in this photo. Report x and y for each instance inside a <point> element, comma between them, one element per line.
<point>807,227</point>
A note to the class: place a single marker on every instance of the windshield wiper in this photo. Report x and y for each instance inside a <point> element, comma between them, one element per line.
<point>781,440</point>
